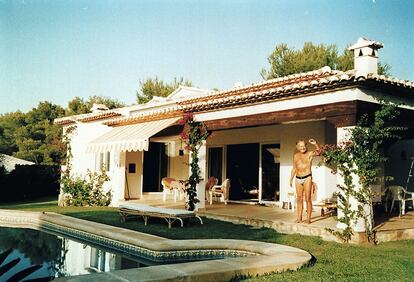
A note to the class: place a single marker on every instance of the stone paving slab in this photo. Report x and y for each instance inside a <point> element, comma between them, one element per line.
<point>391,228</point>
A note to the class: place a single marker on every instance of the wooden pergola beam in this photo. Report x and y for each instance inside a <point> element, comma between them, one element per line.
<point>339,114</point>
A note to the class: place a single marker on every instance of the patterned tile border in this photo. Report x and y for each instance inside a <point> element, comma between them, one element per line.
<point>156,256</point>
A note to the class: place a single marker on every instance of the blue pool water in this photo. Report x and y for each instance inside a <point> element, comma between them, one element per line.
<point>48,256</point>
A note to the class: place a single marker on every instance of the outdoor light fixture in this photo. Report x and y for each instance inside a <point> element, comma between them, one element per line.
<point>181,150</point>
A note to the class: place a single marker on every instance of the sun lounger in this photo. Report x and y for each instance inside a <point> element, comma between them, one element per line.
<point>170,215</point>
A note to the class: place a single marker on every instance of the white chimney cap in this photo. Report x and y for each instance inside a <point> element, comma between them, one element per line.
<point>238,84</point>
<point>99,107</point>
<point>362,42</point>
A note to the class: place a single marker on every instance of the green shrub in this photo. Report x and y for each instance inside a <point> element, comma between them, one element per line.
<point>86,191</point>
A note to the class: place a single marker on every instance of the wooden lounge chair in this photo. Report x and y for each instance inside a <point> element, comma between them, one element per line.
<point>170,215</point>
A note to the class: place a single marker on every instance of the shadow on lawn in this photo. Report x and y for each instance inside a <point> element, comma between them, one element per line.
<point>30,204</point>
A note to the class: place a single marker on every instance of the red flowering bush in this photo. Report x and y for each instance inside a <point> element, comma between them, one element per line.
<point>193,135</point>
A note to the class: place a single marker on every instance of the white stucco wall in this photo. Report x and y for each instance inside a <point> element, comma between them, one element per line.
<point>286,135</point>
<point>133,184</point>
<point>118,177</point>
<point>81,160</point>
<point>177,165</point>
<point>85,133</point>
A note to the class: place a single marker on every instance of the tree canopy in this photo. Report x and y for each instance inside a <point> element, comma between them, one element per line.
<point>156,87</point>
<point>285,61</point>
<point>78,106</point>
<point>34,137</point>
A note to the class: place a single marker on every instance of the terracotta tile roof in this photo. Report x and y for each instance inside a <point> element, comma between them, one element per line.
<point>291,86</point>
<point>64,121</point>
<point>87,117</point>
<point>149,116</point>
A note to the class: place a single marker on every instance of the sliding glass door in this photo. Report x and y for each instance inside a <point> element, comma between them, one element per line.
<point>243,171</point>
<point>155,167</point>
<point>215,163</point>
<point>270,164</point>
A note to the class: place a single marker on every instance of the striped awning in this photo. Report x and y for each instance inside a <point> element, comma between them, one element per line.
<point>134,137</point>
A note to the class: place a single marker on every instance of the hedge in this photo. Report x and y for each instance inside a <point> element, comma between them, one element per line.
<point>29,182</point>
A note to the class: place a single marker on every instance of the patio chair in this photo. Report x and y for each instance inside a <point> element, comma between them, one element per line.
<point>291,199</point>
<point>178,187</point>
<point>221,191</point>
<point>399,194</point>
<point>169,186</point>
<point>212,181</point>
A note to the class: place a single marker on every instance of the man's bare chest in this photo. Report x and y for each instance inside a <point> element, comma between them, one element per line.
<point>303,161</point>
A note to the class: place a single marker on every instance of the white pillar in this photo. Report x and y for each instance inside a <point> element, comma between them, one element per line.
<point>119,178</point>
<point>359,226</point>
<point>201,192</point>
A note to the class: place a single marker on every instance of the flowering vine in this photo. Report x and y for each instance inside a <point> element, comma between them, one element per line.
<point>193,135</point>
<point>360,156</point>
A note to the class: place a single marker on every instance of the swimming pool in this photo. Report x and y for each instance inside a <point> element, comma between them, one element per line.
<point>52,255</point>
<point>237,257</point>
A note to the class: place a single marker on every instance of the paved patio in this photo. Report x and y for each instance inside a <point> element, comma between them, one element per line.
<point>282,220</point>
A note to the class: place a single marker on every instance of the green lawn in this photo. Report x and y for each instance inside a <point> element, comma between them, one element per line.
<point>392,261</point>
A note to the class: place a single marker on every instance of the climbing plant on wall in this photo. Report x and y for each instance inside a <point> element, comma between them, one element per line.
<point>85,190</point>
<point>361,156</point>
<point>193,135</point>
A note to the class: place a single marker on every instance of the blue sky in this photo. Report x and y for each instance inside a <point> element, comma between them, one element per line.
<point>56,50</point>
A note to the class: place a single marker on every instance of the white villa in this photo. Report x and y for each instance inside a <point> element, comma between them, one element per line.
<point>254,131</point>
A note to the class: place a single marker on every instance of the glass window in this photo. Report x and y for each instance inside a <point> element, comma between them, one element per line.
<point>215,163</point>
<point>103,161</point>
<point>270,172</point>
<point>108,161</point>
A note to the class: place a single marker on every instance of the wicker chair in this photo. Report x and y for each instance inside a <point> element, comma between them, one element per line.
<point>221,191</point>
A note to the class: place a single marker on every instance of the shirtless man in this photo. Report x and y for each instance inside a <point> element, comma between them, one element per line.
<point>301,170</point>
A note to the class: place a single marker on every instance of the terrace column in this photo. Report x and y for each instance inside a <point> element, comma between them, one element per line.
<point>119,178</point>
<point>201,191</point>
<point>359,226</point>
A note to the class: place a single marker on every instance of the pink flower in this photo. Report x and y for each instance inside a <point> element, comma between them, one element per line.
<point>188,117</point>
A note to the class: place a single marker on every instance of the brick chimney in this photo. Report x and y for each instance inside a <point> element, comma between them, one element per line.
<point>365,56</point>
